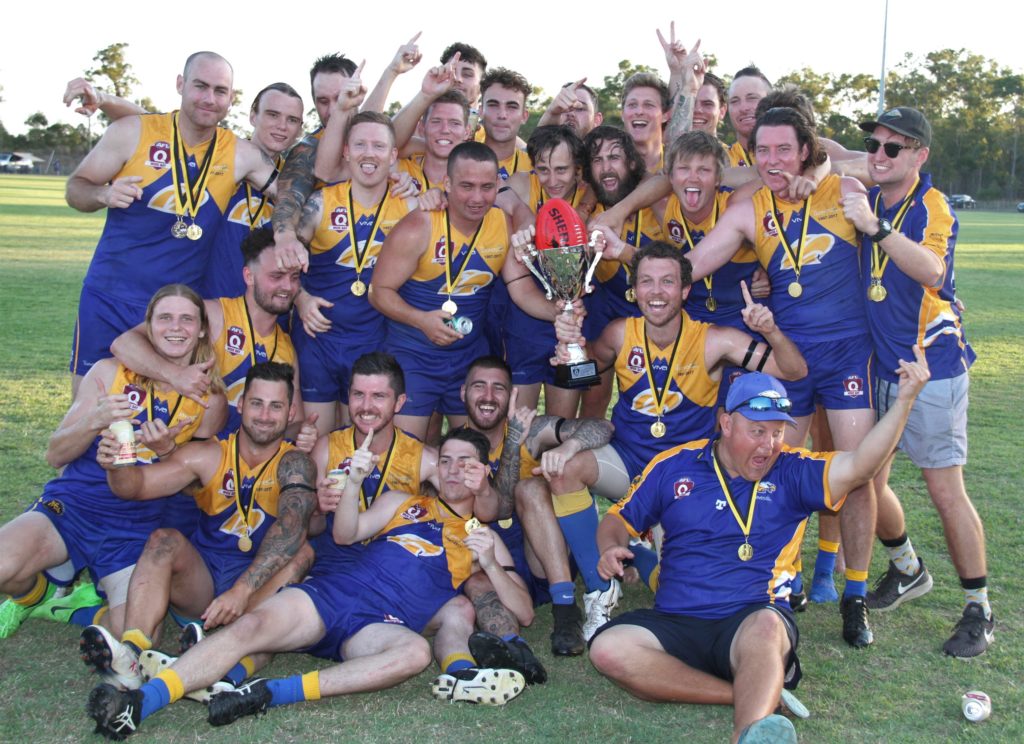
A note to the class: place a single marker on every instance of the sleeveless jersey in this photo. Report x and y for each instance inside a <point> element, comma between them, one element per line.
<point>738,157</point>
<point>398,469</point>
<point>332,260</point>
<point>613,276</point>
<point>426,288</point>
<point>689,402</point>
<point>517,162</point>
<point>414,167</point>
<point>725,282</point>
<point>249,209</point>
<point>831,305</point>
<point>238,348</point>
<point>136,253</point>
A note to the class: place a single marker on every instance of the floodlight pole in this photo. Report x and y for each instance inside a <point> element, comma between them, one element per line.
<point>881,78</point>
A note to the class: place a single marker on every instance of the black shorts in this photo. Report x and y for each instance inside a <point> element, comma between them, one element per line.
<point>705,644</point>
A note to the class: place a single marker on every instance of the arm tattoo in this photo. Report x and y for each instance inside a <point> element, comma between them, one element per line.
<point>310,217</point>
<point>493,617</point>
<point>294,185</point>
<point>508,469</point>
<point>590,432</point>
<point>682,116</point>
<point>286,535</point>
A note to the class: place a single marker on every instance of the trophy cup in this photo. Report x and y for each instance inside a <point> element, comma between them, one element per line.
<point>565,270</point>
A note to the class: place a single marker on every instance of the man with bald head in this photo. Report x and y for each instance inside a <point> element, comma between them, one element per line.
<point>165,180</point>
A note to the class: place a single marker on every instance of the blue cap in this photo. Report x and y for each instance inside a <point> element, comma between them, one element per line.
<point>753,385</point>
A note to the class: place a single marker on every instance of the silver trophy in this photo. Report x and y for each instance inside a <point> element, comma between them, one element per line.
<point>566,272</point>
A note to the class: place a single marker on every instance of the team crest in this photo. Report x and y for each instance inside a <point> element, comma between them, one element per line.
<point>339,219</point>
<point>683,488</point>
<point>853,386</point>
<point>392,619</point>
<point>675,232</point>
<point>345,465</point>
<point>136,396</point>
<point>635,360</point>
<point>414,513</point>
<point>720,504</point>
<point>159,155</point>
<point>227,486</point>
<point>234,344</point>
<point>766,487</point>
<point>55,506</point>
<point>770,225</point>
<point>439,250</point>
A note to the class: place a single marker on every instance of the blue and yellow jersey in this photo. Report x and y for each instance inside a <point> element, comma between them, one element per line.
<point>527,462</point>
<point>538,195</point>
<point>426,288</point>
<point>639,230</point>
<point>397,470</point>
<point>738,157</point>
<point>688,405</point>
<point>84,482</point>
<point>517,162</point>
<point>414,167</point>
<point>831,303</point>
<point>248,210</point>
<point>333,259</point>
<point>724,284</point>
<point>136,253</point>
<point>912,313</point>
<point>701,572</point>
<point>220,522</point>
<point>238,348</point>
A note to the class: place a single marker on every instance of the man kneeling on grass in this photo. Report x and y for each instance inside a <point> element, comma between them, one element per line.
<point>733,510</point>
<point>366,612</point>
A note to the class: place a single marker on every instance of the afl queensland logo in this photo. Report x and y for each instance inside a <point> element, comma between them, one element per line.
<point>159,155</point>
<point>770,225</point>
<point>635,361</point>
<point>339,219</point>
<point>234,343</point>
<point>136,396</point>
<point>440,250</point>
<point>227,486</point>
<point>683,488</point>
<point>414,513</point>
<point>853,386</point>
<point>675,232</point>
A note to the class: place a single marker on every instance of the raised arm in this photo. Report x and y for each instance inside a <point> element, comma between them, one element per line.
<point>192,464</point>
<point>718,247</point>
<point>92,411</point>
<point>91,99</point>
<point>406,58</point>
<point>93,186</point>
<point>437,80</point>
<point>329,165</point>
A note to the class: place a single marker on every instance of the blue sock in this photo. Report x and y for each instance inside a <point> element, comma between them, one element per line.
<point>580,531</point>
<point>798,582</point>
<point>155,696</point>
<point>645,561</point>
<point>458,666</point>
<point>286,691</point>
<point>237,675</point>
<point>825,564</point>
<point>562,593</point>
<point>509,637</point>
<point>84,616</point>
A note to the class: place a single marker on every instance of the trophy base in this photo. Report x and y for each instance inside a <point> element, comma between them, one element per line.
<point>577,374</point>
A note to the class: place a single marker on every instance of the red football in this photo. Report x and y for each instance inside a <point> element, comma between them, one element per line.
<point>558,225</point>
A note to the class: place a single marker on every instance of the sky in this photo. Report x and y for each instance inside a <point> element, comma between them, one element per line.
<point>549,42</point>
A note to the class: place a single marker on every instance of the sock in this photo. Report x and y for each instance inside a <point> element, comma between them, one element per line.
<point>645,561</point>
<point>856,583</point>
<point>86,616</point>
<point>580,531</point>
<point>41,591</point>
<point>241,671</point>
<point>902,554</point>
<point>457,662</point>
<point>562,593</point>
<point>138,640</point>
<point>164,689</point>
<point>825,563</point>
<point>976,590</point>
<point>509,637</point>
<point>294,689</point>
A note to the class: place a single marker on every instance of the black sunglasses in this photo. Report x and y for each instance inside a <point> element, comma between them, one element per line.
<point>892,149</point>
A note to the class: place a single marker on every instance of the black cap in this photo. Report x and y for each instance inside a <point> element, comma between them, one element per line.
<point>903,120</point>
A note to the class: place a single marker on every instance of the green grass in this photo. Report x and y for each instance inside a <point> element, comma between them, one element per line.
<point>900,690</point>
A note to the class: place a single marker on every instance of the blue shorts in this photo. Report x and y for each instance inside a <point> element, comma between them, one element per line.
<point>704,644</point>
<point>529,353</point>
<point>495,318</point>
<point>434,378</point>
<point>840,376</point>
<point>181,513</point>
<point>102,549</point>
<point>326,363</point>
<point>515,541</point>
<point>101,319</point>
<point>224,568</point>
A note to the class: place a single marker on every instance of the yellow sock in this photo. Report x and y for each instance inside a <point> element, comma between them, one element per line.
<point>175,687</point>
<point>828,547</point>
<point>854,575</point>
<point>566,504</point>
<point>35,595</point>
<point>248,664</point>
<point>137,638</point>
<point>311,685</point>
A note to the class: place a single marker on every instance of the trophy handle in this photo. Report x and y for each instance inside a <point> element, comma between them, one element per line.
<point>549,292</point>
<point>587,288</point>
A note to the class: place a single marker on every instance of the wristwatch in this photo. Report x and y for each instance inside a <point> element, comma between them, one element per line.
<point>884,230</point>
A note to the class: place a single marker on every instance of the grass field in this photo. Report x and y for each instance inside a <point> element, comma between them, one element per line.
<point>899,690</point>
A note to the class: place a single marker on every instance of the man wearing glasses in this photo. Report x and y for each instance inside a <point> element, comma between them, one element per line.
<point>907,272</point>
<point>733,509</point>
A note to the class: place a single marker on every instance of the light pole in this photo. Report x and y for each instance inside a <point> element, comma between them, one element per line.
<point>881,78</point>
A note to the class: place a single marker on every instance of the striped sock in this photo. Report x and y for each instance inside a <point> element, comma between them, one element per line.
<point>456,662</point>
<point>241,671</point>
<point>856,583</point>
<point>294,689</point>
<point>164,689</point>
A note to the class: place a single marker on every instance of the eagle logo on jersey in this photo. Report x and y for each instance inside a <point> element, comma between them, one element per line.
<point>236,526</point>
<point>347,257</point>
<point>471,282</point>
<point>136,395</point>
<point>243,210</point>
<point>164,201</point>
<point>159,155</point>
<point>234,343</point>
<point>683,488</point>
<point>635,360</point>
<point>764,489</point>
<point>812,254</point>
<point>416,545</point>
<point>644,402</point>
<point>339,220</point>
<point>853,386</point>
<point>392,619</point>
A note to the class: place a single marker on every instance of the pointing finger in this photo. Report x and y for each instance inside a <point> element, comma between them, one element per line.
<point>746,294</point>
<point>366,442</point>
<point>415,38</point>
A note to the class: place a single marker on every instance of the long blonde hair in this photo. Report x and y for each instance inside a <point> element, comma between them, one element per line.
<point>204,344</point>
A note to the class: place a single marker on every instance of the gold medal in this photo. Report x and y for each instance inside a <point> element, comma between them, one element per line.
<point>358,288</point>
<point>449,307</point>
<point>745,552</point>
<point>876,292</point>
<point>795,290</point>
<point>179,229</point>
<point>245,543</point>
<point>505,523</point>
<point>194,232</point>
<point>472,524</point>
<point>711,304</point>
<point>630,295</point>
<point>657,429</point>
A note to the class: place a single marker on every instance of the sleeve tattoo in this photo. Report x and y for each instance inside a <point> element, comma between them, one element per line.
<point>294,185</point>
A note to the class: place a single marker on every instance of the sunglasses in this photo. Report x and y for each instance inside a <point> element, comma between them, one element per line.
<point>892,149</point>
<point>764,403</point>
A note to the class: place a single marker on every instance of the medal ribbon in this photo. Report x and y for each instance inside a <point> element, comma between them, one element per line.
<point>383,470</point>
<point>252,337</point>
<point>447,506</point>
<point>239,481</point>
<point>188,202</point>
<point>879,258</point>
<point>659,393</point>
<point>724,483</point>
<point>689,238</point>
<point>149,407</point>
<point>794,255</point>
<point>360,257</point>
<point>449,250</point>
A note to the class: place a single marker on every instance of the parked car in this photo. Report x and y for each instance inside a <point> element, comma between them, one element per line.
<point>1020,207</point>
<point>962,201</point>
<point>13,162</point>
